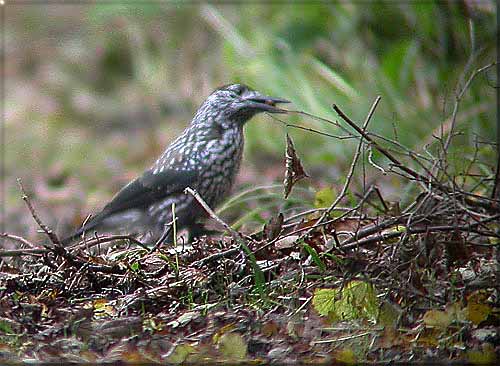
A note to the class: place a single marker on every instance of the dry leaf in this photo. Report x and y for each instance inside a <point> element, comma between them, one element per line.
<point>286,242</point>
<point>294,169</point>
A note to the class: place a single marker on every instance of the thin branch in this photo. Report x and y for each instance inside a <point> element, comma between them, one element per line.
<point>352,167</point>
<point>478,201</point>
<point>23,252</point>
<point>19,239</point>
<point>309,129</point>
<point>52,236</point>
<point>237,236</point>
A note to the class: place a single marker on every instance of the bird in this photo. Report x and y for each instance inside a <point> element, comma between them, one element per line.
<point>206,157</point>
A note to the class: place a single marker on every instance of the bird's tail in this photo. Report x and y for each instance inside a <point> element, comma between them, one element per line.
<point>69,239</point>
<point>89,225</point>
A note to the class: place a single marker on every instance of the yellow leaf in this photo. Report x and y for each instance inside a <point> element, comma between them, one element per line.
<point>233,346</point>
<point>226,328</point>
<point>437,318</point>
<point>103,308</point>
<point>477,313</point>
<point>180,353</point>
<point>324,300</point>
<point>486,356</point>
<point>345,355</point>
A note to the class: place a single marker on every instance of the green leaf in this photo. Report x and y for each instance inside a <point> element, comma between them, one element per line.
<point>259,279</point>
<point>5,327</point>
<point>324,300</point>
<point>324,197</point>
<point>357,300</point>
<point>135,266</point>
<point>315,257</point>
<point>345,356</point>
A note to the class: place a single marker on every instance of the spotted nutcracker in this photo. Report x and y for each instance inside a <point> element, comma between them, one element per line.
<point>205,157</point>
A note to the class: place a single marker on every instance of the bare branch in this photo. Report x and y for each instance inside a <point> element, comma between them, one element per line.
<point>52,236</point>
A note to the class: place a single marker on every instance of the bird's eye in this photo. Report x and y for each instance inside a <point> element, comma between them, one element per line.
<point>238,90</point>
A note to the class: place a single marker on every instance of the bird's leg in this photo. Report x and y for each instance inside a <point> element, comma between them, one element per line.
<point>165,237</point>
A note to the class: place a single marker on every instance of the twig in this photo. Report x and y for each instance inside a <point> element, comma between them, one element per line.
<point>52,236</point>
<point>456,106</point>
<point>18,239</point>
<point>166,233</point>
<point>309,129</point>
<point>478,201</point>
<point>342,339</point>
<point>237,236</point>
<point>495,194</point>
<point>354,160</point>
<point>104,239</point>
<point>22,252</point>
<point>370,160</point>
<point>78,246</point>
<point>379,195</point>
<point>395,161</point>
<point>213,257</point>
<point>351,169</point>
<point>336,124</point>
<point>350,244</point>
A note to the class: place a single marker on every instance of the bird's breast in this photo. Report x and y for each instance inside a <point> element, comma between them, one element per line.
<point>220,162</point>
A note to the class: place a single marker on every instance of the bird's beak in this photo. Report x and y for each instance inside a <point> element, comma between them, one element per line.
<point>264,103</point>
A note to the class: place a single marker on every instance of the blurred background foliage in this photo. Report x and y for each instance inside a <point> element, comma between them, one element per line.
<point>95,92</point>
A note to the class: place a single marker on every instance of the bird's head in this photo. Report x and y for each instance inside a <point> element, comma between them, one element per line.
<point>237,103</point>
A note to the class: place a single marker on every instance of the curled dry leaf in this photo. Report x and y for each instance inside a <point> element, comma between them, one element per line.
<point>294,169</point>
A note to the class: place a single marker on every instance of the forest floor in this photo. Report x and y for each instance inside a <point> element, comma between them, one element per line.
<point>366,282</point>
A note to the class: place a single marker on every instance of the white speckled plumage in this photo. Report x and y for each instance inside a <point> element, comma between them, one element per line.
<point>205,157</point>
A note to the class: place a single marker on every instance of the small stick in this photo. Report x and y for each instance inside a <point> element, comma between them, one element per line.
<point>308,129</point>
<point>22,252</point>
<point>18,239</point>
<point>52,236</point>
<point>350,244</point>
<point>258,274</point>
<point>81,245</point>
<point>354,160</point>
<point>479,201</point>
<point>352,167</point>
<point>495,194</point>
<point>237,236</point>
<point>342,339</point>
<point>213,257</point>
<point>377,191</point>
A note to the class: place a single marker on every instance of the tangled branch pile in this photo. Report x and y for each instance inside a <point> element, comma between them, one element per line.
<point>371,282</point>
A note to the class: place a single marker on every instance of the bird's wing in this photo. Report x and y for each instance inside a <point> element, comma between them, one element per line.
<point>143,191</point>
<point>150,187</point>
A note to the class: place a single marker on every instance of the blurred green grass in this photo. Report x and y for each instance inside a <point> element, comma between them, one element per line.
<point>96,91</point>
